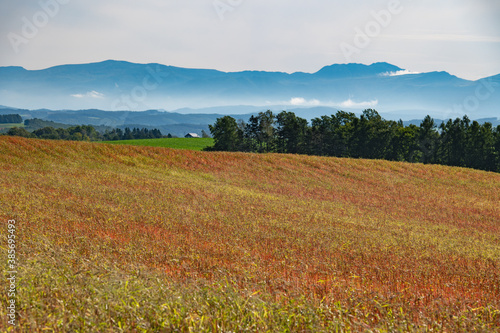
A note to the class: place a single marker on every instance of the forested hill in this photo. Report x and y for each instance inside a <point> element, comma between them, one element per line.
<point>459,142</point>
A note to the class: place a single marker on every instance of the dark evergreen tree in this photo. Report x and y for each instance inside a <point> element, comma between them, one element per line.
<point>127,134</point>
<point>479,151</point>
<point>428,138</point>
<point>453,141</point>
<point>322,132</point>
<point>266,124</point>
<point>496,135</point>
<point>291,133</point>
<point>404,145</point>
<point>227,136</point>
<point>343,129</point>
<point>252,135</point>
<point>372,135</point>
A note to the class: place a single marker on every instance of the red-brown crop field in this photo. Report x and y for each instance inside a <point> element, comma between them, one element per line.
<point>144,239</point>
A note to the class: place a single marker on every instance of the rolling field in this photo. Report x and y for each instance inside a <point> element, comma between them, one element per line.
<point>10,125</point>
<point>120,238</point>
<point>176,143</point>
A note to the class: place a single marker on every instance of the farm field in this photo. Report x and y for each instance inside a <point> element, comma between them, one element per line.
<point>176,143</point>
<point>10,125</point>
<point>122,238</point>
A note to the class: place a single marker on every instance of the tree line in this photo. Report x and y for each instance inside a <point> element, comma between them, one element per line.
<point>11,119</point>
<point>460,142</point>
<point>86,133</point>
<point>128,134</point>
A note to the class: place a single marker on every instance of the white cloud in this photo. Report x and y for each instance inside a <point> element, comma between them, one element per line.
<point>398,73</point>
<point>90,94</point>
<point>349,103</point>
<point>352,104</point>
<point>300,101</point>
<point>95,94</point>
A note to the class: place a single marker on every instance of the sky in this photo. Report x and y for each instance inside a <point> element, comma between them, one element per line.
<point>461,37</point>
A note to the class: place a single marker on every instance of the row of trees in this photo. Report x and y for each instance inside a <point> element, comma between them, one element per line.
<point>128,134</point>
<point>458,142</point>
<point>76,133</point>
<point>11,119</point>
<point>85,133</point>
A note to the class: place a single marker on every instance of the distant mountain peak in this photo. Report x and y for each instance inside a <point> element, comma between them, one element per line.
<point>357,70</point>
<point>13,69</point>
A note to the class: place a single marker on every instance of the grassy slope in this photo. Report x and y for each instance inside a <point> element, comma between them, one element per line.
<point>10,125</point>
<point>144,238</point>
<point>4,127</point>
<point>177,143</point>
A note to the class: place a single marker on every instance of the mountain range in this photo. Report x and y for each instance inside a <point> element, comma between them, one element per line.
<point>123,86</point>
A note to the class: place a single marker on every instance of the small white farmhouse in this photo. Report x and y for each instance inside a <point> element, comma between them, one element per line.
<point>191,135</point>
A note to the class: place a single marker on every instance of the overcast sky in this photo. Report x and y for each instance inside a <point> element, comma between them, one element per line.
<point>458,36</point>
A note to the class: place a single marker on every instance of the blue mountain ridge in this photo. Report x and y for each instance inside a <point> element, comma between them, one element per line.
<point>121,85</point>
